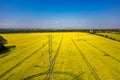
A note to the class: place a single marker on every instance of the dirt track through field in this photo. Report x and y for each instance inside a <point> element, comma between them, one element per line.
<point>28,45</point>
<point>105,53</point>
<point>89,65</point>
<point>6,72</point>
<point>50,70</point>
<point>74,56</point>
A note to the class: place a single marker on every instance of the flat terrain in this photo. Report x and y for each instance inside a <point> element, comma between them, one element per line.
<point>60,56</point>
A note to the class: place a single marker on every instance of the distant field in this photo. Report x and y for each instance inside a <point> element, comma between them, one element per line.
<point>60,56</point>
<point>113,35</point>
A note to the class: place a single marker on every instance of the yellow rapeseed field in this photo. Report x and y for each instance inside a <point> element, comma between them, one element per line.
<point>113,35</point>
<point>60,56</point>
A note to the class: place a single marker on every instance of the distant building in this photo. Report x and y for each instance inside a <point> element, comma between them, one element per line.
<point>92,31</point>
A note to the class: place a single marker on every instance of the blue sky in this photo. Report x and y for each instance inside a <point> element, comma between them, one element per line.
<point>60,14</point>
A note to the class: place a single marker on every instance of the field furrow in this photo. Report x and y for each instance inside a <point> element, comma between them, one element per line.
<point>60,56</point>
